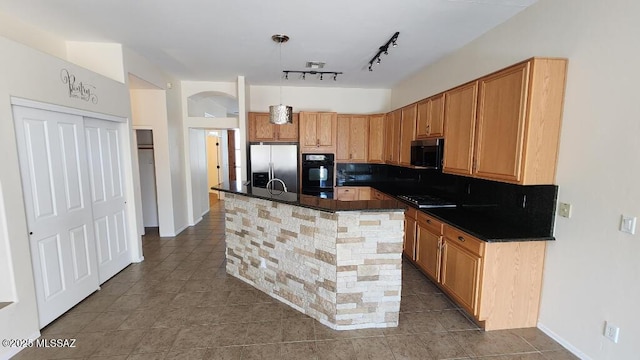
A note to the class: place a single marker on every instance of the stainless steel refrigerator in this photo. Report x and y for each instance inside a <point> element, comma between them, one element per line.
<point>279,161</point>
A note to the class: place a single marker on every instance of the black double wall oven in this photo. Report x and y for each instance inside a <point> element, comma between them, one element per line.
<point>317,175</point>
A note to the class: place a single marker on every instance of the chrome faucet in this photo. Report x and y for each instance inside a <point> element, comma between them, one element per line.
<point>276,179</point>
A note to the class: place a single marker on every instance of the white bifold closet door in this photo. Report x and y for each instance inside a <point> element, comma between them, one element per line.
<point>72,175</point>
<point>107,196</point>
<point>56,190</point>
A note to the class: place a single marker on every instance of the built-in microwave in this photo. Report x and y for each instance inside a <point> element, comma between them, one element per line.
<point>427,153</point>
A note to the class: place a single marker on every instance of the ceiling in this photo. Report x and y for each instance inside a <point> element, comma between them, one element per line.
<point>217,40</point>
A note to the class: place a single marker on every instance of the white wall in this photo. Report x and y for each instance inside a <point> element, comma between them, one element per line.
<point>198,169</point>
<point>149,111</point>
<point>175,158</point>
<point>27,34</point>
<point>103,58</point>
<point>31,74</point>
<point>341,100</point>
<point>592,271</point>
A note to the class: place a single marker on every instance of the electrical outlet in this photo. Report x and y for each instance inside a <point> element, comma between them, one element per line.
<point>628,224</point>
<point>564,210</point>
<point>611,332</point>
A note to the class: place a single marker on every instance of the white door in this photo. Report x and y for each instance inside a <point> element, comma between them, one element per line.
<point>104,150</point>
<point>54,173</point>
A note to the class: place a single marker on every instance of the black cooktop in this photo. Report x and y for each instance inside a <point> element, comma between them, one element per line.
<point>427,201</point>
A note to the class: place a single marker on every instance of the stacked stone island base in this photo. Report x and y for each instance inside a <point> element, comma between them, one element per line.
<point>341,268</point>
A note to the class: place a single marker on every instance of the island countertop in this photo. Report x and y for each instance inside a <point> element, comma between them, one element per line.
<point>311,202</point>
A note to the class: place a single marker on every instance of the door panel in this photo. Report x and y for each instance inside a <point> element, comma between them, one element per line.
<point>55,178</point>
<point>80,253</point>
<point>109,206</point>
<point>52,266</point>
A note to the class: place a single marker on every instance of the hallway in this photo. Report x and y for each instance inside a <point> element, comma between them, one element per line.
<point>180,304</point>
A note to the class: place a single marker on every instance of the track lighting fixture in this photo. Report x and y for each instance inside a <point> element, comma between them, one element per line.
<point>384,49</point>
<point>312,72</point>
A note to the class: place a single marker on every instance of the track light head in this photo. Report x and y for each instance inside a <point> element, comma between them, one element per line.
<point>335,76</point>
<point>321,76</point>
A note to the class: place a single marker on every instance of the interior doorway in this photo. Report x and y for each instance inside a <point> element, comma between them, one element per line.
<point>147,169</point>
<point>214,160</point>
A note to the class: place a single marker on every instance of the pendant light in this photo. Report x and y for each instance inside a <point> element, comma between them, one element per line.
<point>280,114</point>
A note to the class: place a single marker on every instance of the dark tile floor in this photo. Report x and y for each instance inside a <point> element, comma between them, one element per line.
<point>180,304</point>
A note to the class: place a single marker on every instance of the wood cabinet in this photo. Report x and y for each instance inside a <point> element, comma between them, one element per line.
<point>409,243</point>
<point>352,138</point>
<point>376,139</point>
<point>392,137</point>
<point>514,135</point>
<point>260,129</point>
<point>318,132</point>
<point>430,117</point>
<point>461,268</point>
<point>459,128</point>
<point>351,193</point>
<point>428,245</point>
<point>519,118</point>
<point>407,133</point>
<point>498,283</point>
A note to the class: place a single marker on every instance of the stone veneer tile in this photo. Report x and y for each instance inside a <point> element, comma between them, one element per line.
<point>339,268</point>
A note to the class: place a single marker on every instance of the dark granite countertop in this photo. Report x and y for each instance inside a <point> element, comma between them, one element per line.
<point>312,202</point>
<point>478,221</point>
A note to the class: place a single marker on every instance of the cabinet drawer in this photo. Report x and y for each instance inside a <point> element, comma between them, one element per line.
<point>430,223</point>
<point>464,240</point>
<point>347,194</point>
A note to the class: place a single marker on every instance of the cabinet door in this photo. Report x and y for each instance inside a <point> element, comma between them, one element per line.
<point>460,121</point>
<point>343,139</point>
<point>436,116</point>
<point>358,138</point>
<point>288,132</point>
<point>260,127</point>
<point>422,119</point>
<point>308,126</point>
<point>407,133</point>
<point>501,123</point>
<point>364,193</point>
<point>376,139</point>
<point>392,137</point>
<point>409,236</point>
<point>460,274</point>
<point>428,252</point>
<point>326,129</point>
<point>347,194</point>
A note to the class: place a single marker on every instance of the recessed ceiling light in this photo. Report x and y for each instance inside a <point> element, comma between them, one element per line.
<point>315,64</point>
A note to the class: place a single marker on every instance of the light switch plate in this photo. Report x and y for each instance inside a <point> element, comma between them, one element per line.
<point>628,224</point>
<point>564,210</point>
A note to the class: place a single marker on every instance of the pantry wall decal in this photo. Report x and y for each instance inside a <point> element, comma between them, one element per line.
<point>78,89</point>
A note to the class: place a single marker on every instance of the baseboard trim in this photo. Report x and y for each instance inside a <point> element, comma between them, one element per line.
<point>14,351</point>
<point>181,229</point>
<point>575,351</point>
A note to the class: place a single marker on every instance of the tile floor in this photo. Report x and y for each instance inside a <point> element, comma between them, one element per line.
<point>180,304</point>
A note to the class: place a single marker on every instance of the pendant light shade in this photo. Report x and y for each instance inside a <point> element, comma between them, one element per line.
<point>280,114</point>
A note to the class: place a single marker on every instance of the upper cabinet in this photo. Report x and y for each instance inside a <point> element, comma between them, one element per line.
<point>519,117</point>
<point>459,130</point>
<point>430,117</point>
<point>392,137</point>
<point>514,137</point>
<point>318,132</point>
<point>353,138</point>
<point>407,133</point>
<point>260,129</point>
<point>376,139</point>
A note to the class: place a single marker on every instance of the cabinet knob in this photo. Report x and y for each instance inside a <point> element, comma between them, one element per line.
<point>317,142</point>
<point>428,221</point>
<point>461,238</point>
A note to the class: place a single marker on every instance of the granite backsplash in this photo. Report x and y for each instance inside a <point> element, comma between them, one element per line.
<point>531,206</point>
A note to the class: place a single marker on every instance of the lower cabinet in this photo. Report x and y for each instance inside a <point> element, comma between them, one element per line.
<point>409,244</point>
<point>498,283</point>
<point>428,244</point>
<point>351,193</point>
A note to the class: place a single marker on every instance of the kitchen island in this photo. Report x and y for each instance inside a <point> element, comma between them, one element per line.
<point>338,262</point>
